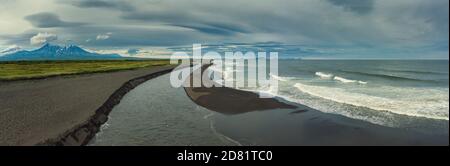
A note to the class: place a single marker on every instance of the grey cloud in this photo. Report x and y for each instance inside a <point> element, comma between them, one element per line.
<point>49,20</point>
<point>229,27</point>
<point>366,24</point>
<point>108,4</point>
<point>197,22</point>
<point>358,6</point>
<point>124,36</point>
<point>209,29</point>
<point>384,23</point>
<point>158,16</point>
<point>286,20</point>
<point>22,39</point>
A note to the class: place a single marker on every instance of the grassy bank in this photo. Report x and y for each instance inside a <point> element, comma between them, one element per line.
<point>10,71</point>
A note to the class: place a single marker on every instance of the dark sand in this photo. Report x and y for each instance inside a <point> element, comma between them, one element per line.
<point>34,111</point>
<point>230,101</point>
<point>303,125</point>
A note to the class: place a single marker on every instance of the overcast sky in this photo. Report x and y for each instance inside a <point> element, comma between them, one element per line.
<point>305,28</point>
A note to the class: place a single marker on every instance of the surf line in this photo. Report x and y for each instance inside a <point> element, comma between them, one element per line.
<point>236,61</point>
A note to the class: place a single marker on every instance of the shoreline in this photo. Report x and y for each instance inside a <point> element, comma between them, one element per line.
<point>230,101</point>
<point>62,110</point>
<point>303,125</point>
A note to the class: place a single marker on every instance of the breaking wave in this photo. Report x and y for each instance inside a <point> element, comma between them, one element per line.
<point>323,75</point>
<point>337,78</point>
<point>434,105</point>
<point>344,80</point>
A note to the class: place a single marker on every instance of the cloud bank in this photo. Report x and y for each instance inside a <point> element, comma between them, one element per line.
<point>49,20</point>
<point>352,28</point>
<point>42,38</point>
<point>103,36</point>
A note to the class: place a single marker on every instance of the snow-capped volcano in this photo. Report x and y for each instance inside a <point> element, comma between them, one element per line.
<point>56,52</point>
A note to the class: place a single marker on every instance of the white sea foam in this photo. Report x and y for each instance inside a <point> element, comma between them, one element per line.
<point>417,102</point>
<point>345,80</point>
<point>280,78</point>
<point>338,78</point>
<point>362,82</point>
<point>323,75</point>
<point>433,105</point>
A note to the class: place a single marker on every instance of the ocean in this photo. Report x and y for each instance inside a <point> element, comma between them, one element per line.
<point>411,95</point>
<point>385,92</point>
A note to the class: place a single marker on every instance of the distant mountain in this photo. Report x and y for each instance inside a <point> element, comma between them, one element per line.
<point>55,52</point>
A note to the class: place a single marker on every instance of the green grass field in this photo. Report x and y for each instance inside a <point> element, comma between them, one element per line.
<point>40,69</point>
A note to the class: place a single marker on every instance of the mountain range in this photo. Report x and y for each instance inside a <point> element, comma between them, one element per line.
<point>56,52</point>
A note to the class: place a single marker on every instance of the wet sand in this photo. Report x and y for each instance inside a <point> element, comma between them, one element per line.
<point>53,110</point>
<point>230,101</point>
<point>284,123</point>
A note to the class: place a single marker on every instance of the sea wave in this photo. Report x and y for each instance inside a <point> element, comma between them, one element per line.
<point>414,71</point>
<point>323,75</point>
<point>280,78</point>
<point>338,78</point>
<point>434,105</point>
<point>387,76</point>
<point>344,80</point>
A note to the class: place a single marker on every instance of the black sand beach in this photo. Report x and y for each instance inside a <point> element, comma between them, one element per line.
<point>302,125</point>
<point>230,101</point>
<point>52,111</point>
